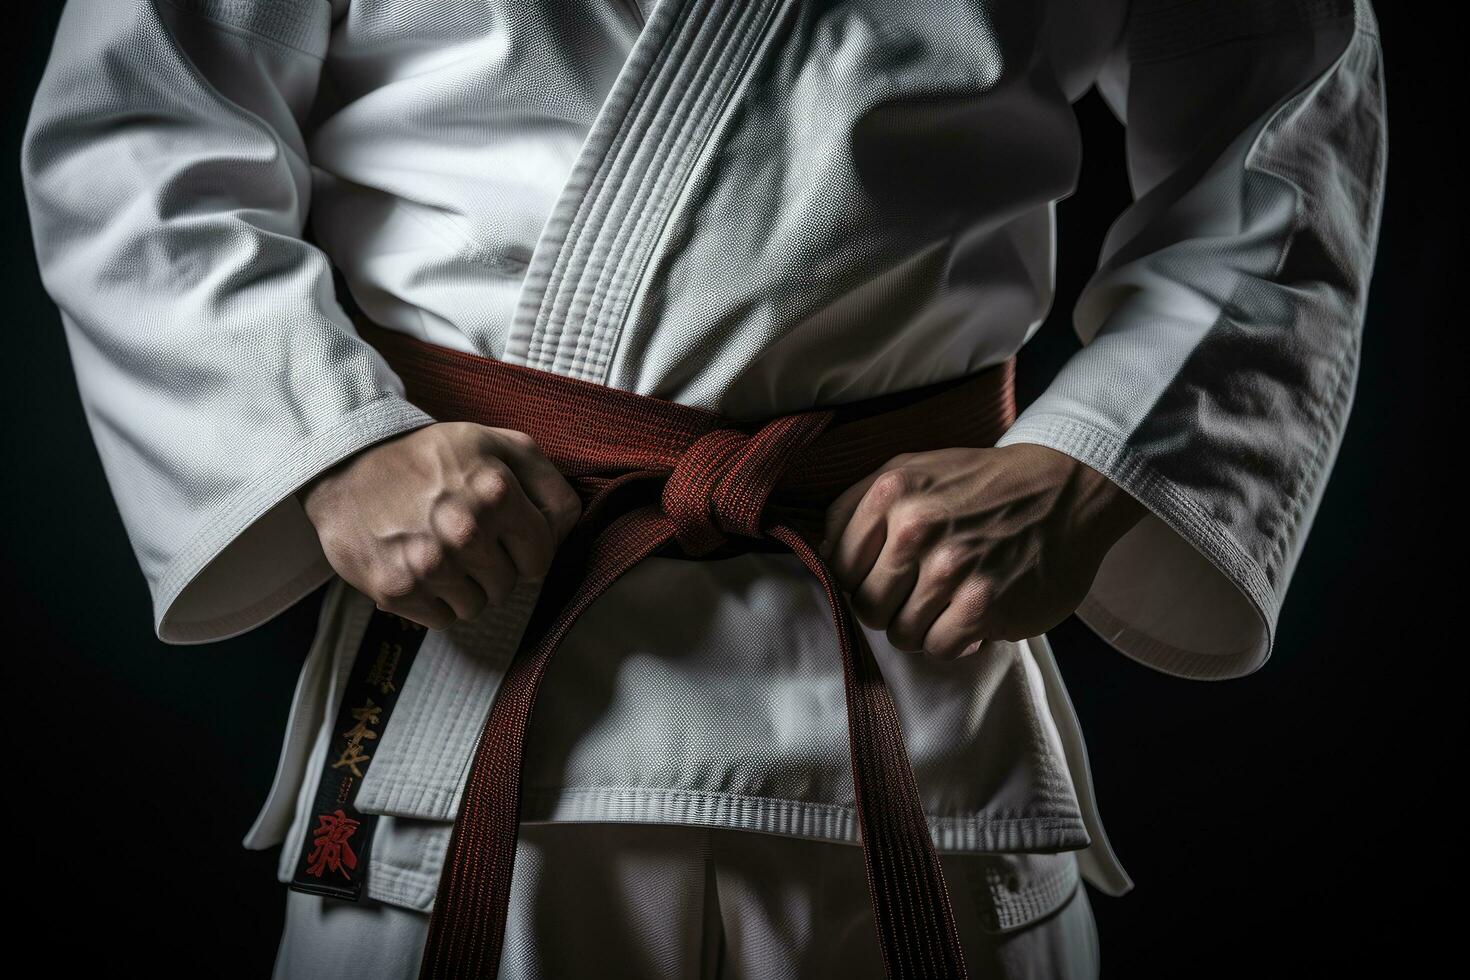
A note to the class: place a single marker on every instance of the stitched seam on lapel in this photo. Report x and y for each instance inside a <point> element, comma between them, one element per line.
<point>558,344</point>
<point>676,88</point>
<point>608,129</point>
<point>615,285</point>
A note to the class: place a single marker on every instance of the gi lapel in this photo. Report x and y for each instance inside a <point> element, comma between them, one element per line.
<point>672,90</point>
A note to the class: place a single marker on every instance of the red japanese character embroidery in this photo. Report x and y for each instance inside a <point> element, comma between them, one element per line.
<point>331,851</point>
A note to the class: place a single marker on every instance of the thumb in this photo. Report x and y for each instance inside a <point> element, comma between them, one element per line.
<point>546,488</point>
<point>840,512</point>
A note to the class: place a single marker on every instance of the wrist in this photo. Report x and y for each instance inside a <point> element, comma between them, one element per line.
<point>309,490</point>
<point>1111,511</point>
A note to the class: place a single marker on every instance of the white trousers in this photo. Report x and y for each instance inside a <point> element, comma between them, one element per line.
<point>665,902</point>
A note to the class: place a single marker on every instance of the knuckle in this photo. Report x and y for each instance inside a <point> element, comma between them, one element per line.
<point>392,587</point>
<point>890,485</point>
<point>459,529</point>
<point>911,528</point>
<point>426,559</point>
<point>906,536</point>
<point>949,561</point>
<point>491,486</point>
<point>971,603</point>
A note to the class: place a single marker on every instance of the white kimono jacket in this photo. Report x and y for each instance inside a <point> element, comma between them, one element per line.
<point>752,206</point>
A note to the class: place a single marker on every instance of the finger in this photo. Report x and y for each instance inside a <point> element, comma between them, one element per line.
<point>839,513</point>
<point>420,607</point>
<point>840,510</point>
<point>517,523</point>
<point>497,573</point>
<point>910,531</point>
<point>930,596</point>
<point>885,589</point>
<point>475,547</point>
<point>545,486</point>
<point>462,594</point>
<point>442,580</point>
<point>405,582</point>
<point>959,629</point>
<point>862,537</point>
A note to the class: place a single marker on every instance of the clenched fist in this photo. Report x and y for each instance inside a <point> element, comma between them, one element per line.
<point>438,522</point>
<point>945,549</point>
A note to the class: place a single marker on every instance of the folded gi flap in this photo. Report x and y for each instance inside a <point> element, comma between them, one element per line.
<point>406,859</point>
<point>399,856</point>
<point>1011,891</point>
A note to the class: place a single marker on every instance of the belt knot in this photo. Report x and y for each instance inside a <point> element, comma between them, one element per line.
<point>721,483</point>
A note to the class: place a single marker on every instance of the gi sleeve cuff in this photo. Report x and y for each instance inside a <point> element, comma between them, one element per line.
<point>1176,593</point>
<point>257,554</point>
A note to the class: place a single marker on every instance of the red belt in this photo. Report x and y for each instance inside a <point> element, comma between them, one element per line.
<point>655,475</point>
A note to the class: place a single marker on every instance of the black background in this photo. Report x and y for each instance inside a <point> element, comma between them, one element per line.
<point>1302,819</point>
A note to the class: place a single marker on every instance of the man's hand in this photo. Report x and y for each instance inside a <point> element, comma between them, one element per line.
<point>945,549</point>
<point>437,522</point>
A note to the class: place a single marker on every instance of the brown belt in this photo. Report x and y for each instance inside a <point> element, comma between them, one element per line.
<point>658,476</point>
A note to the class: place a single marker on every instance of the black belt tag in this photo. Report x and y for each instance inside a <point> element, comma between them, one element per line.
<point>334,853</point>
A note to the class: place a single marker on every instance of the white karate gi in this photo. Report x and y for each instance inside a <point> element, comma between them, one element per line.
<point>752,206</point>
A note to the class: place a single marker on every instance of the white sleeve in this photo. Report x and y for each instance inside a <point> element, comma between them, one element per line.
<point>165,174</point>
<point>1221,329</point>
